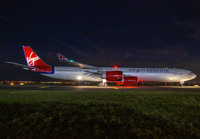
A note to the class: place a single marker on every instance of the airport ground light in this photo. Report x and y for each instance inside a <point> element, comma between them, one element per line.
<point>62,83</point>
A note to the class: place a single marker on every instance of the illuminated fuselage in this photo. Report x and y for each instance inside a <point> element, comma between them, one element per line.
<point>143,74</point>
<point>84,72</point>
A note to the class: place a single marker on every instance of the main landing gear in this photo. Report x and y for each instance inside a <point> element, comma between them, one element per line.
<point>103,84</point>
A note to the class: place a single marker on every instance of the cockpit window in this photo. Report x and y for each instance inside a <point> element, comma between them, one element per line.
<point>190,73</point>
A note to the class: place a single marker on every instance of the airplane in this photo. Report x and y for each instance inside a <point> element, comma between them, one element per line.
<point>103,75</point>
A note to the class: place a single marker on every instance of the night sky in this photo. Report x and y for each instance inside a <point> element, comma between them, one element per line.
<point>132,33</point>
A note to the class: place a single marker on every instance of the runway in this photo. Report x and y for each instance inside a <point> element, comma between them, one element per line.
<point>95,88</point>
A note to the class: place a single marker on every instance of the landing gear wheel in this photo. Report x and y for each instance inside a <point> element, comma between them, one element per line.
<point>102,84</point>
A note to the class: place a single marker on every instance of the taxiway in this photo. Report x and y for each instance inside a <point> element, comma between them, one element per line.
<point>95,88</point>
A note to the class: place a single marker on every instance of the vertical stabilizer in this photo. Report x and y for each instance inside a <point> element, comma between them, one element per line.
<point>33,60</point>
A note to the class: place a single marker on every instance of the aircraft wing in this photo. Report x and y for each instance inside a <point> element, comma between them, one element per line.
<point>72,62</point>
<point>21,65</point>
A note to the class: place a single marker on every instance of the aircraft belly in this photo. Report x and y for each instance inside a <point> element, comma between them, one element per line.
<point>73,76</point>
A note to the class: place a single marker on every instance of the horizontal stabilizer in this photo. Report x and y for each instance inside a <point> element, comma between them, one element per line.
<point>20,65</point>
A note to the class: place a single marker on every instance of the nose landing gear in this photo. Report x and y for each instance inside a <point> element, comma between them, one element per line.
<point>181,83</point>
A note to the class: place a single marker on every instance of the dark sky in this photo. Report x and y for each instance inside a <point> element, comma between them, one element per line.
<point>132,33</point>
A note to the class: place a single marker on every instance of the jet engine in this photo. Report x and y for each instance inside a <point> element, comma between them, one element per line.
<point>130,80</point>
<point>112,75</point>
<point>117,76</point>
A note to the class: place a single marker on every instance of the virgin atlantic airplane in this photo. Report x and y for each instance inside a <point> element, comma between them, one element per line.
<point>83,72</point>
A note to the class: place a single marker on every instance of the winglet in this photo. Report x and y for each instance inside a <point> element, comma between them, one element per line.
<point>62,58</point>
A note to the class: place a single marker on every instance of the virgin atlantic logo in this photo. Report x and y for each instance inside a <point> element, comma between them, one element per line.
<point>31,60</point>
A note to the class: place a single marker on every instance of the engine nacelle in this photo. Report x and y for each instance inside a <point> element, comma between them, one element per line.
<point>130,80</point>
<point>112,75</point>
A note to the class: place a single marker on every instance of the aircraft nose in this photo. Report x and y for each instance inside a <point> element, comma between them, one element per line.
<point>194,76</point>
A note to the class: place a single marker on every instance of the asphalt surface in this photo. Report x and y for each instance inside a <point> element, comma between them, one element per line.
<point>95,88</point>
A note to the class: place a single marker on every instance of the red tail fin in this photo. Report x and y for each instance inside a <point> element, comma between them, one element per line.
<point>33,60</point>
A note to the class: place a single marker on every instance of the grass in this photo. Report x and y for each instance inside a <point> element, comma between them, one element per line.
<point>57,114</point>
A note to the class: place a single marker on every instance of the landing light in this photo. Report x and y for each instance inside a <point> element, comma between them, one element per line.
<point>79,77</point>
<point>21,84</point>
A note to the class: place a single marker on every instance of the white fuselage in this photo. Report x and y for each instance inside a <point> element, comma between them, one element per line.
<point>143,74</point>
